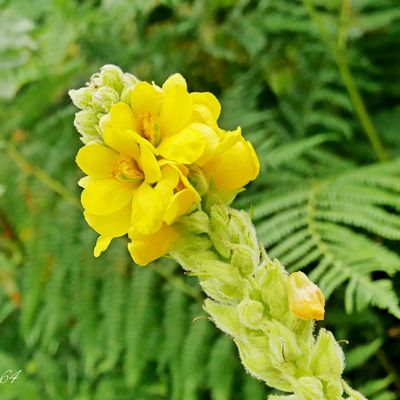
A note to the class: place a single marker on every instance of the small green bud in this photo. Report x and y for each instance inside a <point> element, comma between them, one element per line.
<point>220,233</point>
<point>272,280</point>
<point>251,313</point>
<point>282,342</point>
<point>334,390</point>
<point>243,230</point>
<point>197,222</point>
<point>309,388</point>
<point>130,80</point>
<point>245,259</point>
<point>258,362</point>
<point>327,359</point>
<point>126,95</point>
<point>221,282</point>
<point>82,98</point>
<point>104,98</point>
<point>87,123</point>
<point>198,179</point>
<point>225,317</point>
<point>113,77</point>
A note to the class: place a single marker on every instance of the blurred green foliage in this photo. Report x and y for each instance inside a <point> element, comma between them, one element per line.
<point>315,86</point>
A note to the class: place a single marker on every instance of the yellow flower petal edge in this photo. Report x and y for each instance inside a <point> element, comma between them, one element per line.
<point>147,248</point>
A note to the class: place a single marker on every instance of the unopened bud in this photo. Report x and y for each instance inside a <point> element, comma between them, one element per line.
<point>334,389</point>
<point>113,77</point>
<point>87,123</point>
<point>282,343</point>
<point>104,98</point>
<point>197,222</point>
<point>273,283</point>
<point>327,357</point>
<point>309,388</point>
<point>251,313</point>
<point>82,98</point>
<point>198,179</point>
<point>306,300</point>
<point>245,259</point>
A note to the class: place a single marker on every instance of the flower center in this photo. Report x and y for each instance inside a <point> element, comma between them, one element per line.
<point>127,169</point>
<point>149,128</point>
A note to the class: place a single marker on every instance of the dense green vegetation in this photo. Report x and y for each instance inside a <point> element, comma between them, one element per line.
<point>315,86</point>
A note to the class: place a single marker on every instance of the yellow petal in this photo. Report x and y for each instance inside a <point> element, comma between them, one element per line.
<point>184,180</point>
<point>145,98</point>
<point>176,109</point>
<point>102,244</point>
<point>174,80</point>
<point>180,204</point>
<point>233,168</point>
<point>96,160</point>
<point>147,248</point>
<point>211,139</point>
<point>208,100</point>
<point>165,187</point>
<point>107,196</point>
<point>185,147</point>
<point>150,165</point>
<point>202,114</point>
<point>122,141</point>
<point>111,225</point>
<point>121,117</point>
<point>305,298</point>
<point>83,182</point>
<point>147,210</point>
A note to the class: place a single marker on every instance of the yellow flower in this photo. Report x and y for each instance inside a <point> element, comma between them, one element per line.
<point>234,164</point>
<point>169,119</point>
<point>137,180</point>
<point>128,188</point>
<point>305,298</point>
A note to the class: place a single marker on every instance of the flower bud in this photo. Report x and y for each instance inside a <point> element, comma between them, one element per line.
<point>104,98</point>
<point>113,77</point>
<point>309,388</point>
<point>251,313</point>
<point>82,98</point>
<point>220,233</point>
<point>245,259</point>
<point>225,317</point>
<point>334,390</point>
<point>327,359</point>
<point>224,288</point>
<point>87,123</point>
<point>243,231</point>
<point>305,298</point>
<point>198,180</point>
<point>273,283</point>
<point>197,222</point>
<point>282,343</point>
<point>258,362</point>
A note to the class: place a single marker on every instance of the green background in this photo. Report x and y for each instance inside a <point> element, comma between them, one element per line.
<point>315,86</point>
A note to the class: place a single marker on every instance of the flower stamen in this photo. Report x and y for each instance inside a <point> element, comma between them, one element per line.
<point>127,169</point>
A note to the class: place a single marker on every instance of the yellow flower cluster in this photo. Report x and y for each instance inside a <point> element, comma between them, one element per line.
<point>138,179</point>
